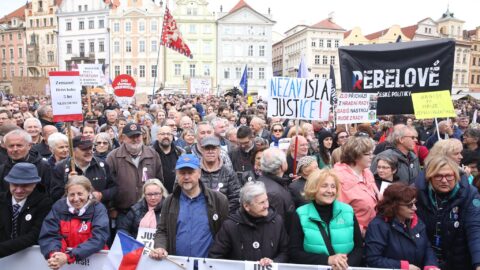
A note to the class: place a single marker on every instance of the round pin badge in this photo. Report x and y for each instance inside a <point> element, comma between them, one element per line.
<point>28,217</point>
<point>456,224</point>
<point>102,164</point>
<point>220,185</point>
<point>249,179</point>
<point>215,217</point>
<point>256,245</point>
<point>455,209</point>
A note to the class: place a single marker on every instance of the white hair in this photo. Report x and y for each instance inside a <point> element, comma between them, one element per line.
<point>32,119</point>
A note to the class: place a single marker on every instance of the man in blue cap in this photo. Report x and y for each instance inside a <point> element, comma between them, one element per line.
<point>22,208</point>
<point>191,215</point>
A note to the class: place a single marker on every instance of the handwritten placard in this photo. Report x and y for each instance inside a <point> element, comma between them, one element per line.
<point>433,104</point>
<point>356,108</point>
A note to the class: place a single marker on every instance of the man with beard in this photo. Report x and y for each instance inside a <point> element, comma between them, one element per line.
<point>132,164</point>
<point>169,154</point>
<point>242,155</point>
<point>87,165</point>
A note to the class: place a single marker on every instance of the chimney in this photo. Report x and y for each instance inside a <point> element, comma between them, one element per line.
<point>268,11</point>
<point>221,8</point>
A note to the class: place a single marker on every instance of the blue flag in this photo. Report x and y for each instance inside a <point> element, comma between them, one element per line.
<point>302,69</point>
<point>244,81</point>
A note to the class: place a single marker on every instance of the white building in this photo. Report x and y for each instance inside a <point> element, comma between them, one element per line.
<point>83,35</point>
<point>244,38</point>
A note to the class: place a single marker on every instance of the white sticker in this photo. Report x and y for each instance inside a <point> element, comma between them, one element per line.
<point>28,217</point>
<point>215,217</point>
<point>456,224</point>
<point>256,245</point>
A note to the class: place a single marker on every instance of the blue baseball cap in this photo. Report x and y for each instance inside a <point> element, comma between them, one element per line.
<point>188,161</point>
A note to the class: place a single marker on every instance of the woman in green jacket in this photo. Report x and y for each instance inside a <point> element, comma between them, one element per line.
<point>325,231</point>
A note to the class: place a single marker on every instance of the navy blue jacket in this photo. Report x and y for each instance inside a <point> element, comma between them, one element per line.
<point>459,239</point>
<point>387,243</point>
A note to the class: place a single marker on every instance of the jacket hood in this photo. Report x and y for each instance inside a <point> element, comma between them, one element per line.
<point>242,217</point>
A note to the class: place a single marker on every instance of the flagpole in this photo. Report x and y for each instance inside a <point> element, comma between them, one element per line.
<point>158,56</point>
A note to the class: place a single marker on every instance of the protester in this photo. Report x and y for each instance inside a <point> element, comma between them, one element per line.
<point>325,231</point>
<point>324,156</point>
<point>276,131</point>
<point>450,209</point>
<point>146,212</point>
<point>58,144</point>
<point>302,151</point>
<point>43,147</point>
<point>103,146</point>
<point>78,222</point>
<point>256,171</point>
<point>386,168</point>
<point>33,127</point>
<point>23,208</point>
<point>255,232</point>
<point>357,182</point>
<point>241,156</point>
<point>397,238</point>
<point>180,232</point>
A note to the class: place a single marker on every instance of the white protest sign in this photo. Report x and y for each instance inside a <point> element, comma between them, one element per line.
<point>256,266</point>
<point>66,96</point>
<point>356,108</point>
<point>147,237</point>
<point>299,98</point>
<point>200,86</point>
<point>91,75</point>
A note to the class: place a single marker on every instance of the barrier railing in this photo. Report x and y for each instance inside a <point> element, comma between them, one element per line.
<point>31,258</point>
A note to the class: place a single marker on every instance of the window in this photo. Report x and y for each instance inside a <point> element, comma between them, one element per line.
<point>317,59</point>
<point>464,59</point>
<point>21,71</point>
<point>51,21</point>
<point>69,48</point>
<point>206,70</point>
<point>20,53</point>
<point>81,47</point>
<point>141,46</point>
<point>261,50</point>
<point>92,47</point>
<point>154,46</point>
<point>325,60</point>
<point>44,22</point>
<point>473,79</point>
<point>50,57</point>
<point>128,70</point>
<point>128,27</point>
<point>128,46</point>
<point>250,50</point>
<point>337,42</point>
<point>192,70</point>
<point>329,43</point>
<point>178,69</point>
<point>238,72</point>
<point>226,73</point>
<point>91,24</point>
<point>48,39</point>
<point>31,24</point>
<point>250,72</point>
<point>314,43</point>
<point>117,71</point>
<point>332,60</point>
<point>463,78</point>
<point>101,23</point>
<point>12,71</point>
<point>320,43</point>
<point>85,7</point>
<point>142,71</point>
<point>19,35</point>
<point>458,57</point>
<point>4,72</point>
<point>101,46</point>
<point>11,54</point>
<point>69,26</point>
<point>154,71</point>
<point>81,25</point>
<point>37,22</point>
<point>116,46</point>
<point>261,73</point>
<point>116,27</point>
<point>474,61</point>
<point>456,78</point>
<point>207,29</point>
<point>207,47</point>
<point>192,28</point>
<point>153,25</point>
<point>141,26</point>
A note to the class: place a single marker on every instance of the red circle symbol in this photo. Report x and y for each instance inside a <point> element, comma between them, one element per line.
<point>124,86</point>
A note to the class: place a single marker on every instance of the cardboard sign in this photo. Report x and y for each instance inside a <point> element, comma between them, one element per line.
<point>147,237</point>
<point>299,98</point>
<point>141,98</point>
<point>91,75</point>
<point>29,86</point>
<point>433,104</point>
<point>356,108</point>
<point>66,93</point>
<point>200,86</point>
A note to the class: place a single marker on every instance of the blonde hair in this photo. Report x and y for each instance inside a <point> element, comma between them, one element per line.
<point>444,148</point>
<point>81,181</point>
<point>155,182</point>
<point>436,163</point>
<point>316,178</point>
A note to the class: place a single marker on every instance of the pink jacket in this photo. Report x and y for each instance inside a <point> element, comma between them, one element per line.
<point>362,196</point>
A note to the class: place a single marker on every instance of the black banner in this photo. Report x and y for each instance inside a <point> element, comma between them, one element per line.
<point>395,70</point>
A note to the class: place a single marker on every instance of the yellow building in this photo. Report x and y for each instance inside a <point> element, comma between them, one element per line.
<point>354,37</point>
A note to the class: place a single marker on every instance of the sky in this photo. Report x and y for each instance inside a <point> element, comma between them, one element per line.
<point>369,15</point>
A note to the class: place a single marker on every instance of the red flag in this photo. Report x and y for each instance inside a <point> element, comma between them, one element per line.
<point>171,36</point>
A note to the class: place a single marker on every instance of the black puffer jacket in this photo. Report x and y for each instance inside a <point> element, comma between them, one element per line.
<point>243,237</point>
<point>130,222</point>
<point>279,196</point>
<point>225,181</point>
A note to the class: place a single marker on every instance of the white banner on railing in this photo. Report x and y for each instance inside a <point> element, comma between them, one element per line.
<point>32,257</point>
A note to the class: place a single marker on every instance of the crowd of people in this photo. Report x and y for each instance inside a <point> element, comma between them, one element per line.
<point>215,177</point>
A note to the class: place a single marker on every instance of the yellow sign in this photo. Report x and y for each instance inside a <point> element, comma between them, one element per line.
<point>433,104</point>
<point>249,100</point>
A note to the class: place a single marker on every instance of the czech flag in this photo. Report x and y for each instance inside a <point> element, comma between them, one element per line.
<point>125,253</point>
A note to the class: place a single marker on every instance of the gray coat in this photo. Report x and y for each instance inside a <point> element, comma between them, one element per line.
<point>408,166</point>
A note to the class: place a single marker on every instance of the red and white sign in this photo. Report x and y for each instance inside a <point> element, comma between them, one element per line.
<point>124,86</point>
<point>66,93</point>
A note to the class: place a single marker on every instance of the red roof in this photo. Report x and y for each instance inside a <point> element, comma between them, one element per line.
<point>327,24</point>
<point>377,34</point>
<point>409,31</point>
<point>239,5</point>
<point>471,32</point>
<point>18,13</point>
<point>346,34</point>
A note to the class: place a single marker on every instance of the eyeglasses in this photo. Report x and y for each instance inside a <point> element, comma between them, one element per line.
<point>409,205</point>
<point>440,177</point>
<point>101,143</point>
<point>155,194</point>
<point>277,130</point>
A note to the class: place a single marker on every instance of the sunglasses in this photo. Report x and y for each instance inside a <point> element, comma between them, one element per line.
<point>277,130</point>
<point>409,205</point>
